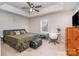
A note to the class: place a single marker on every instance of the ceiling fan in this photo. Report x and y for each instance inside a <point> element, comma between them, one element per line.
<point>32,7</point>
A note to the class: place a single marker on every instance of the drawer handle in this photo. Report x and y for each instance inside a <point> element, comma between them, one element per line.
<point>75,49</point>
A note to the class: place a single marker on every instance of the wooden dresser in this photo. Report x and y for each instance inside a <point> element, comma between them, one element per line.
<point>72,43</point>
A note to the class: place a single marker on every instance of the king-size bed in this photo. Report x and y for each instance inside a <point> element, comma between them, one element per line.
<point>19,38</point>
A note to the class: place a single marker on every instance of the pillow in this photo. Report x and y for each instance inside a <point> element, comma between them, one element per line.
<point>7,33</point>
<point>17,32</point>
<point>22,32</point>
<point>12,33</point>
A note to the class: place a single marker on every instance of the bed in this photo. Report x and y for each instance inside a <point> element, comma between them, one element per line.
<point>18,41</point>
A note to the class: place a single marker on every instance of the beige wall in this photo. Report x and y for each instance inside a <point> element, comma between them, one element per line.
<point>76,8</point>
<point>34,25</point>
<point>12,21</point>
<point>55,20</point>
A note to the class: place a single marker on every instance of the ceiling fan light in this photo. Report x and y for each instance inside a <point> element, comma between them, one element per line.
<point>31,9</point>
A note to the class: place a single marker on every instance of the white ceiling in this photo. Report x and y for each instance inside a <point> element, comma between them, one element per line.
<point>24,4</point>
<point>47,7</point>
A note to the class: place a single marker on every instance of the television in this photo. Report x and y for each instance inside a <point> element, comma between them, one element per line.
<point>75,19</point>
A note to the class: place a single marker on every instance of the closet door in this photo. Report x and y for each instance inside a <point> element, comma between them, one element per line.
<point>70,42</point>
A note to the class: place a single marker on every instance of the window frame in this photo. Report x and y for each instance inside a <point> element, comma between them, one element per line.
<point>41,25</point>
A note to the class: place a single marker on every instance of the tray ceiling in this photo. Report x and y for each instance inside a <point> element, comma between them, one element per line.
<point>47,7</point>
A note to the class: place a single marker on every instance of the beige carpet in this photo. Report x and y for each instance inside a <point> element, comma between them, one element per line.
<point>45,49</point>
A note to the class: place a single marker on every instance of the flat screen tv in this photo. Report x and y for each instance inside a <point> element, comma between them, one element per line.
<point>75,19</point>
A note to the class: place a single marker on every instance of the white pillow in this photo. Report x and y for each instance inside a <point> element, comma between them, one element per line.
<point>17,32</point>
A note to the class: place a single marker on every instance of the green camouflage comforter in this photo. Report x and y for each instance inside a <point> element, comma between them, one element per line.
<point>20,42</point>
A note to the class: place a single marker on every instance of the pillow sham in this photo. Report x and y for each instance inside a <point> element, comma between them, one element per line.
<point>12,33</point>
<point>22,32</point>
<point>17,32</point>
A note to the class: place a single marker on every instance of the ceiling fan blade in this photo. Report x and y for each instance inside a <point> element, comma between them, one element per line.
<point>36,10</point>
<point>25,7</point>
<point>38,6</point>
<point>29,3</point>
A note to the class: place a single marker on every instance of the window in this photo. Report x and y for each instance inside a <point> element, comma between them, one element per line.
<point>44,25</point>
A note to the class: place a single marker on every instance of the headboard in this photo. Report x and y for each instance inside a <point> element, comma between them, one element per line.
<point>5,31</point>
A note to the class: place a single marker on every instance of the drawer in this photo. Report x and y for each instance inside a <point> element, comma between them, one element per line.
<point>77,43</point>
<point>77,54</point>
<point>71,52</point>
<point>77,32</point>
